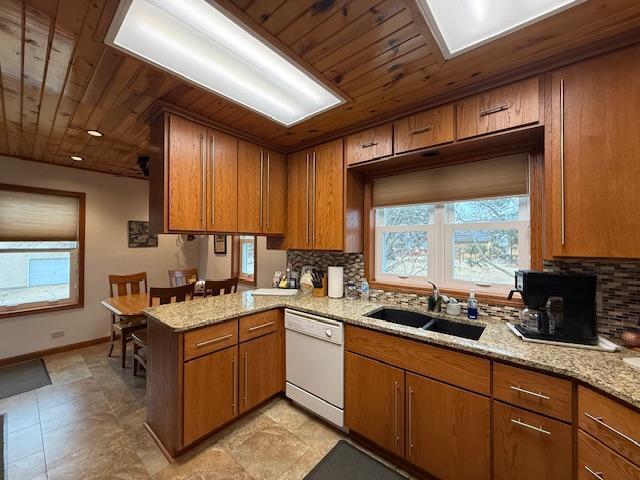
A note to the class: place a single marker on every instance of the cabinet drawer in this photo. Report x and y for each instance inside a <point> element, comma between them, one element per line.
<point>459,369</point>
<point>369,144</point>
<point>530,446</point>
<point>210,339</point>
<point>535,391</point>
<point>499,109</point>
<point>424,129</point>
<point>253,326</point>
<point>595,461</point>
<point>615,425</point>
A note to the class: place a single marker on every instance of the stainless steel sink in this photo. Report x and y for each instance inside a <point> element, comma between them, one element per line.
<point>427,322</point>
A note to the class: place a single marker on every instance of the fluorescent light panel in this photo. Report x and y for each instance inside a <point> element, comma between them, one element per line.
<point>462,25</point>
<point>195,40</point>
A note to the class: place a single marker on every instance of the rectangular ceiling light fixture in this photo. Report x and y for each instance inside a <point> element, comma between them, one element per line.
<point>462,25</point>
<point>195,40</point>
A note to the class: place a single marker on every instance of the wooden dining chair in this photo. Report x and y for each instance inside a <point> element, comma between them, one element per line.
<point>216,287</point>
<point>139,339</point>
<point>182,276</point>
<point>171,294</point>
<point>125,326</point>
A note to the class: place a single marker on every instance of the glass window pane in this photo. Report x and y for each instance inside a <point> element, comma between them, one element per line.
<point>407,215</point>
<point>32,276</point>
<point>485,256</point>
<point>404,253</point>
<point>492,210</point>
<point>247,249</point>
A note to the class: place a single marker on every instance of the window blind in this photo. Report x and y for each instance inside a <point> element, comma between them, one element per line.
<point>496,177</point>
<point>29,216</point>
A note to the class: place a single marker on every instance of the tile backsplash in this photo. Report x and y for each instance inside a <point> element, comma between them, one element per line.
<point>618,292</point>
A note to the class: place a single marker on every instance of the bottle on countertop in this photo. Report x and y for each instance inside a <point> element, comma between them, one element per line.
<point>472,306</point>
<point>364,289</point>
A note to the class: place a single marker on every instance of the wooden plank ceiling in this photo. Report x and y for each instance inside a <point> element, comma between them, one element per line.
<point>59,79</point>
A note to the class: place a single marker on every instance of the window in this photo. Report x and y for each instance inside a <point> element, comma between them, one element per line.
<point>41,249</point>
<point>457,245</point>
<point>244,258</point>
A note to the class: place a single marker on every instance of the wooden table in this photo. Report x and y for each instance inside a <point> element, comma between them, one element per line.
<point>128,309</point>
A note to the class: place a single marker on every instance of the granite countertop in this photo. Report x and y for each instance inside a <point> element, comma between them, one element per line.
<point>605,371</point>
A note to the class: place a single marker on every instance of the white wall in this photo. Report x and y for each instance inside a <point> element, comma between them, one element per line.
<point>110,202</point>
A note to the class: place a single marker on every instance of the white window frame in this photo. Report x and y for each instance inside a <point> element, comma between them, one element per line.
<point>440,248</point>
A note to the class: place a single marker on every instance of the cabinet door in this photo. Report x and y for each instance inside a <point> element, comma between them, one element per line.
<point>275,195</point>
<point>528,446</point>
<point>597,461</point>
<point>210,393</point>
<point>260,370</point>
<point>187,170</point>
<point>424,129</point>
<point>593,155</point>
<point>299,199</point>
<point>250,187</point>
<point>448,430</point>
<point>368,144</point>
<point>502,108</point>
<point>222,182</point>
<point>374,401</point>
<point>327,212</point>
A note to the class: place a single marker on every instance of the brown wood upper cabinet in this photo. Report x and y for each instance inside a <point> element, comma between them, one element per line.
<point>317,193</point>
<point>262,207</point>
<point>193,177</point>
<point>591,158</point>
<point>424,129</point>
<point>502,108</point>
<point>376,142</point>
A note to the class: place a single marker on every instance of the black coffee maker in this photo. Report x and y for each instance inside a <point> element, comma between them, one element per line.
<point>559,307</point>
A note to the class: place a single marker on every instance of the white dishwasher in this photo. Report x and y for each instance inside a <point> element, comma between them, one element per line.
<point>315,364</point>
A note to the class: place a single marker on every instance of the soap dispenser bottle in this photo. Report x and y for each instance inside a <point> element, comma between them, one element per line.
<point>472,306</point>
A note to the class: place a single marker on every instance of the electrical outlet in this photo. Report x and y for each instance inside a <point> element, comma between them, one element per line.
<point>57,333</point>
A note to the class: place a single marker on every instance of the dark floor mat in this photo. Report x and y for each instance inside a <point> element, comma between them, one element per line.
<point>346,462</point>
<point>23,377</point>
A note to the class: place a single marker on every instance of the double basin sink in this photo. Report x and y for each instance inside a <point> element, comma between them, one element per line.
<point>426,322</point>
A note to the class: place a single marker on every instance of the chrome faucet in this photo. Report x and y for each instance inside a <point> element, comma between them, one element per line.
<point>435,301</point>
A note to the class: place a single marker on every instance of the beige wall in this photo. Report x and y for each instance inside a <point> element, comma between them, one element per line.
<point>111,202</point>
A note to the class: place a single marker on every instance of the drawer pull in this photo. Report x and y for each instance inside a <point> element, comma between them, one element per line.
<point>599,475</point>
<point>529,392</point>
<point>491,111</point>
<point>526,425</point>
<point>600,421</point>
<point>421,130</point>
<point>215,340</point>
<point>370,144</point>
<point>258,327</point>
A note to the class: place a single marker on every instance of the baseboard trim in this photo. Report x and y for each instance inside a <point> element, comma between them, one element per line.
<point>50,351</point>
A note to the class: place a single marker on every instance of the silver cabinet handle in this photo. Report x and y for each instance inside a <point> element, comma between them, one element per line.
<point>396,389</point>
<point>491,111</point>
<point>213,182</point>
<point>203,180</point>
<point>215,340</point>
<point>313,209</point>
<point>369,145</point>
<point>562,196</point>
<point>307,193</point>
<point>246,378</point>
<point>268,187</point>
<point>234,400</point>
<point>529,392</point>
<point>531,427</point>
<point>600,421</point>
<point>258,327</point>
<point>261,186</point>
<point>410,424</point>
<point>599,475</point>
<point>421,130</point>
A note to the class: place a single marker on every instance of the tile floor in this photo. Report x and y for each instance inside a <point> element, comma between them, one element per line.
<point>89,425</point>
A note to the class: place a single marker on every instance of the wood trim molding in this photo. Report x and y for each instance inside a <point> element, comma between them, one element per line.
<point>50,351</point>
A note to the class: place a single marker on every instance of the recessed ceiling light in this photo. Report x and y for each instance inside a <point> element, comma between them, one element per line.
<point>94,133</point>
<point>462,25</point>
<point>197,41</point>
<point>77,158</point>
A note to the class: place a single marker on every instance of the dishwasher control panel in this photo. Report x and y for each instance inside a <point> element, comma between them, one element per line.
<point>314,326</point>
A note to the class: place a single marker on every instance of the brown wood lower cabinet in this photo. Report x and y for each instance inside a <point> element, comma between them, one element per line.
<point>530,446</point>
<point>260,373</point>
<point>210,392</point>
<point>595,461</point>
<point>374,401</point>
<point>448,430</point>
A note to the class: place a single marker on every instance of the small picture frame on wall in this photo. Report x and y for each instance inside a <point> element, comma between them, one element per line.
<point>139,236</point>
<point>220,244</point>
